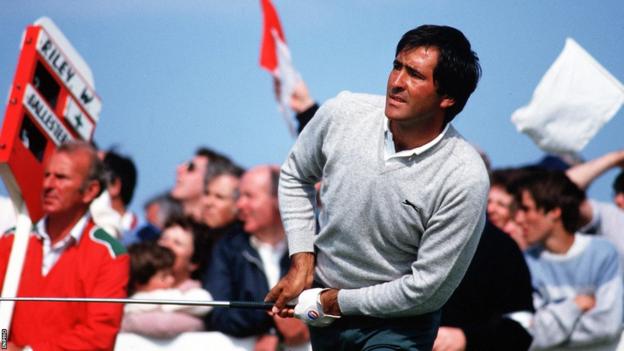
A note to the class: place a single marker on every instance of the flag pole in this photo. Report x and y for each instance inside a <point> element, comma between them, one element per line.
<point>16,259</point>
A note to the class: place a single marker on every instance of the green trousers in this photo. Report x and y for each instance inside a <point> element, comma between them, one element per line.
<point>360,333</point>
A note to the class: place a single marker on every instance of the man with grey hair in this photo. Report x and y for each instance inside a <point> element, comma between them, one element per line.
<point>219,211</point>
<point>246,263</point>
<point>68,255</point>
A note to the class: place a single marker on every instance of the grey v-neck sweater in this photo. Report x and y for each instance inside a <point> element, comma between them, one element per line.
<point>396,236</point>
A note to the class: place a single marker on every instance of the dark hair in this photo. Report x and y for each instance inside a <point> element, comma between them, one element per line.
<point>218,164</point>
<point>500,177</point>
<point>618,183</point>
<point>503,177</point>
<point>96,167</point>
<point>202,243</point>
<point>551,189</point>
<point>458,70</point>
<point>147,258</point>
<point>122,168</point>
<point>209,153</point>
<point>213,157</point>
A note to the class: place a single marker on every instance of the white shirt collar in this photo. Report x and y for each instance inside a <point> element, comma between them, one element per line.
<point>390,151</point>
<point>52,253</point>
<point>257,244</point>
<point>74,234</point>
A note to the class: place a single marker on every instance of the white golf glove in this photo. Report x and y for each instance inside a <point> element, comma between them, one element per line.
<point>310,311</point>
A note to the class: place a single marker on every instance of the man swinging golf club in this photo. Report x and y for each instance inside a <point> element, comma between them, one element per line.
<point>403,198</point>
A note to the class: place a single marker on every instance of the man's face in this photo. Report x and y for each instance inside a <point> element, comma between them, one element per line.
<point>190,179</point>
<point>257,208</point>
<point>63,181</point>
<point>411,92</point>
<point>219,201</point>
<point>536,224</point>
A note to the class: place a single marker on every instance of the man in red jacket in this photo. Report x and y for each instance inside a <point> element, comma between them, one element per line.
<point>68,255</point>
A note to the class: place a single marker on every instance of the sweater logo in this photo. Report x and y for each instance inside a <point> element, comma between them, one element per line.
<point>410,204</point>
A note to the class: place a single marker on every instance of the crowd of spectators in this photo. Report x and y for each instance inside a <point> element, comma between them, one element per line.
<point>572,246</point>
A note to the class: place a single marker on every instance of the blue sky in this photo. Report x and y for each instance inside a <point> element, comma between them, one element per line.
<point>176,75</point>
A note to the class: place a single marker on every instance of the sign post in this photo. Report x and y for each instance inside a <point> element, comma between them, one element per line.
<point>52,101</point>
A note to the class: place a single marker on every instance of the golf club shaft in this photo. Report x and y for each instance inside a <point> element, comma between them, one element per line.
<point>231,304</point>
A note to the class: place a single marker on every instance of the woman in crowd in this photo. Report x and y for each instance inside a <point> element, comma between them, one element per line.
<point>190,244</point>
<point>499,206</point>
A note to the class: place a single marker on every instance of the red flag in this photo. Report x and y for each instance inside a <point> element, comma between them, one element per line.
<point>268,51</point>
<point>275,58</point>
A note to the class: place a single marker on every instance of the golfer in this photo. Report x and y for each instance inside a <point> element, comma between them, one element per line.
<point>403,199</point>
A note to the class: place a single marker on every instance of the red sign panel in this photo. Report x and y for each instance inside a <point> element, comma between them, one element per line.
<point>52,100</point>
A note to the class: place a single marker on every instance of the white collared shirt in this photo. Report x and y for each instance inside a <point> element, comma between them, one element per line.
<point>390,151</point>
<point>270,256</point>
<point>52,253</point>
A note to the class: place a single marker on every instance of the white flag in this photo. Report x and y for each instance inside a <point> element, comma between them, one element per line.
<point>574,99</point>
<point>288,75</point>
<point>275,58</point>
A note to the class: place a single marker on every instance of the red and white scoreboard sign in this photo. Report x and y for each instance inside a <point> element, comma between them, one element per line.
<point>52,100</point>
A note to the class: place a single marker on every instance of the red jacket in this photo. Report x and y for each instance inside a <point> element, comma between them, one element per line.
<point>97,266</point>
